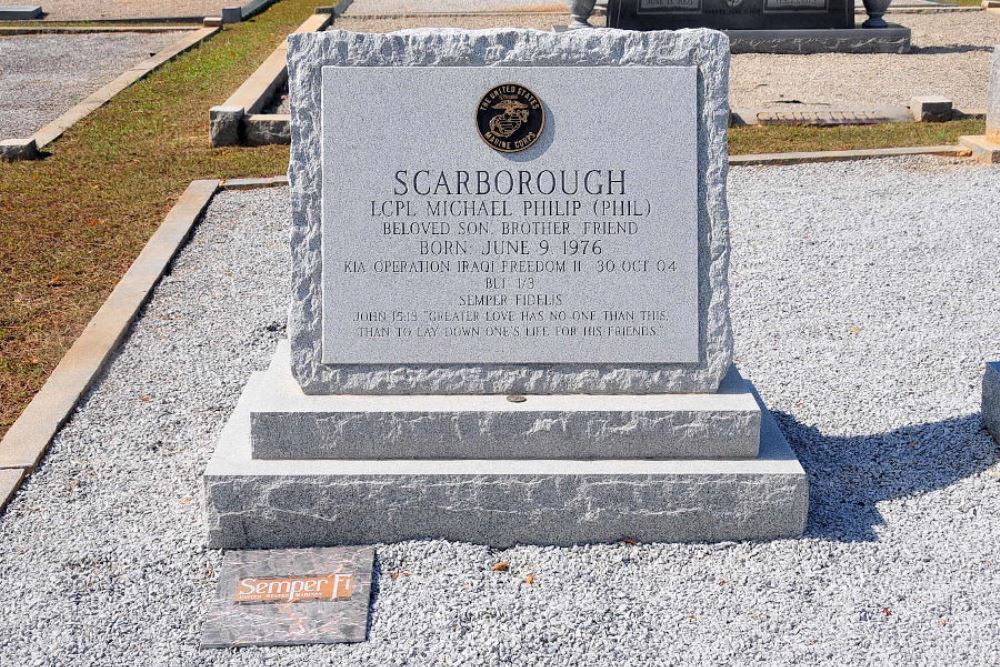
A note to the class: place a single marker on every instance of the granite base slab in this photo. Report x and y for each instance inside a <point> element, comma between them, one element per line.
<point>286,423</point>
<point>894,39</point>
<point>252,503</point>
<point>20,12</point>
<point>991,399</point>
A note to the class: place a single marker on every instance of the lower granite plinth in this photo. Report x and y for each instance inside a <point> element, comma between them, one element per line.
<point>991,399</point>
<point>254,503</point>
<point>894,39</point>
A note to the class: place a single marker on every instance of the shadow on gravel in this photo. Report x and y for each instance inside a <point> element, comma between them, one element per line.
<point>951,48</point>
<point>848,475</point>
<point>376,588</point>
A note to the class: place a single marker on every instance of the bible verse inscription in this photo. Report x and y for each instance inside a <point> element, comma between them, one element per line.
<point>581,249</point>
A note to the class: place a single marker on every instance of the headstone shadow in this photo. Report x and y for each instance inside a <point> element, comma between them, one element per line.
<point>951,48</point>
<point>849,475</point>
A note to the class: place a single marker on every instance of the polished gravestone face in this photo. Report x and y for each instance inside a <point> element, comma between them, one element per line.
<point>730,14</point>
<point>580,248</point>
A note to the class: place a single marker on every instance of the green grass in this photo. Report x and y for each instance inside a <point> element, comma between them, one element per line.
<point>71,224</point>
<point>784,139</point>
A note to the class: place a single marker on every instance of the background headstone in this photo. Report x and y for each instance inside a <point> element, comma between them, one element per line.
<point>993,100</point>
<point>730,14</point>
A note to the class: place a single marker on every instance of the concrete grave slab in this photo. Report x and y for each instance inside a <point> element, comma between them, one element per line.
<point>20,12</point>
<point>931,109</point>
<point>241,119</point>
<point>991,399</point>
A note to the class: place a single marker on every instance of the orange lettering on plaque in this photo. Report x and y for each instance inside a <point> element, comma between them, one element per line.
<point>294,589</point>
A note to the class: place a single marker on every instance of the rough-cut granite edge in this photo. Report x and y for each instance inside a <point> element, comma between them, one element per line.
<point>991,399</point>
<point>285,423</point>
<point>993,99</point>
<point>309,53</point>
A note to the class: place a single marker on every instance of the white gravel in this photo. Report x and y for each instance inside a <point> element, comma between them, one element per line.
<point>951,57</point>
<point>42,76</point>
<point>77,10</point>
<point>865,302</point>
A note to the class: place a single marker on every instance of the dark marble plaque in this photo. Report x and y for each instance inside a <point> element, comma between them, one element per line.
<point>730,14</point>
<point>291,596</point>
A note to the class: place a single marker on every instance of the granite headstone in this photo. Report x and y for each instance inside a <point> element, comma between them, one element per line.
<point>509,318</point>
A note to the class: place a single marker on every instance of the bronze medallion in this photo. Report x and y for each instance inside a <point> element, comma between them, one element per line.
<point>510,118</point>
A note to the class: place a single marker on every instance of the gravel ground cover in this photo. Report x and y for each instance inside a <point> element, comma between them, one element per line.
<point>537,21</point>
<point>79,10</point>
<point>951,57</point>
<point>42,76</point>
<point>864,307</point>
<point>383,7</point>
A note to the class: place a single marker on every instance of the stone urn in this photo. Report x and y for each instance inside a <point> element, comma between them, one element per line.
<point>581,10</point>
<point>875,9</point>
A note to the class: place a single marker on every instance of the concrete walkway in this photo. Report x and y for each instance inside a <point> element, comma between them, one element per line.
<point>79,10</point>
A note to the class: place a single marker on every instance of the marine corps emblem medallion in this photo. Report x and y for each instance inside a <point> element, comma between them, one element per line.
<point>510,118</point>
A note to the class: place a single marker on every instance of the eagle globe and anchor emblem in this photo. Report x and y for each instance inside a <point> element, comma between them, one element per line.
<point>510,118</point>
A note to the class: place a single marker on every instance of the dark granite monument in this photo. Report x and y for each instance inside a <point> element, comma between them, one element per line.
<point>730,14</point>
<point>760,26</point>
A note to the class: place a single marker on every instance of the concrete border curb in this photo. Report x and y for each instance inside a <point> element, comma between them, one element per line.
<point>25,443</point>
<point>229,122</point>
<point>53,130</point>
<point>10,479</point>
<point>838,156</point>
<point>238,13</point>
<point>982,147</point>
<point>74,30</point>
<point>253,183</point>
